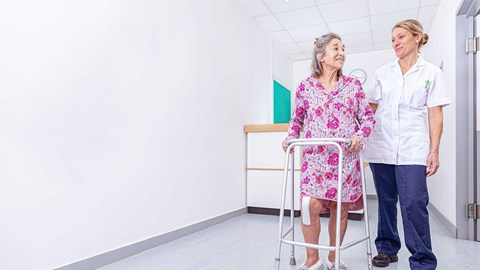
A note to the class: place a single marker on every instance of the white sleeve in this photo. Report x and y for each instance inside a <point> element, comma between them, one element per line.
<point>437,94</point>
<point>374,90</point>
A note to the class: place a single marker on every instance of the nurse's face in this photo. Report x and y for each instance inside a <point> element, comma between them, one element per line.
<point>334,56</point>
<point>404,42</point>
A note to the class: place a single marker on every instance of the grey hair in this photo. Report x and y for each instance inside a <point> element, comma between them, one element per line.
<point>319,48</point>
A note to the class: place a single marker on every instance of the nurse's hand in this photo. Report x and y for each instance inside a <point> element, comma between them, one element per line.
<point>432,163</point>
<point>355,145</point>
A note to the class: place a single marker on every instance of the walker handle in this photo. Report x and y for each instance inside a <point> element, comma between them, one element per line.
<point>317,140</point>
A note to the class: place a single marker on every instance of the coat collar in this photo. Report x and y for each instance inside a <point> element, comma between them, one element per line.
<point>396,66</point>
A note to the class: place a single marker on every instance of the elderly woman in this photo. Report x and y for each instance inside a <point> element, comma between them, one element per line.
<point>329,105</point>
<point>406,94</point>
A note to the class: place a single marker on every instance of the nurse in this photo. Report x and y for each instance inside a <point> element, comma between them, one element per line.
<point>407,96</point>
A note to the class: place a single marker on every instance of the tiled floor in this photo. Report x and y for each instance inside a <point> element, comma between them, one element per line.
<point>249,241</point>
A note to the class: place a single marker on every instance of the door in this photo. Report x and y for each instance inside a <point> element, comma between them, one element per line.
<point>468,120</point>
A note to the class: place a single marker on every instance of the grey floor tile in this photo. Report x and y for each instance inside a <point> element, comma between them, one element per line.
<point>249,242</point>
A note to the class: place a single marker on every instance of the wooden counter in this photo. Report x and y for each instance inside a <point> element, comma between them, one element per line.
<point>265,128</point>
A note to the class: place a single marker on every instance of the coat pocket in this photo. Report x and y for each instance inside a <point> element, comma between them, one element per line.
<point>418,99</point>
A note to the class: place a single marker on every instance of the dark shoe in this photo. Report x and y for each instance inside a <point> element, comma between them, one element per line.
<point>384,259</point>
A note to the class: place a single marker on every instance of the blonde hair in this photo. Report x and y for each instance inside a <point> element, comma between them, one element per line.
<point>414,27</point>
<point>319,48</point>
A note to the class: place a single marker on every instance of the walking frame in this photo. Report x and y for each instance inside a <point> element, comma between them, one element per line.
<point>282,235</point>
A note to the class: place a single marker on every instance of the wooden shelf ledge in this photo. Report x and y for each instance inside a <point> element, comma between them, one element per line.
<point>265,128</point>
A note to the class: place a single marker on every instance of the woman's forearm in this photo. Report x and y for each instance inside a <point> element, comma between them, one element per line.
<point>435,123</point>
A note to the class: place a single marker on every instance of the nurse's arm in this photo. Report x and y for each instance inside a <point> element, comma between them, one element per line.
<point>435,123</point>
<point>373,106</point>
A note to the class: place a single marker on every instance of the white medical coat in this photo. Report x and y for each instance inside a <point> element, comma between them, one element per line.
<point>401,134</point>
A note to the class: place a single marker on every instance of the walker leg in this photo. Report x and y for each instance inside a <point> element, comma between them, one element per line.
<point>367,229</point>
<point>339,210</point>
<point>277,264</point>
<point>365,210</point>
<point>292,209</point>
<point>282,210</point>
<point>279,241</point>
<point>293,261</point>
<point>369,245</point>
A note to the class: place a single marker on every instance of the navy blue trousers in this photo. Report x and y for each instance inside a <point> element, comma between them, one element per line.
<point>407,183</point>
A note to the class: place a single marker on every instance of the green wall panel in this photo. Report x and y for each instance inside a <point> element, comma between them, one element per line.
<point>281,103</point>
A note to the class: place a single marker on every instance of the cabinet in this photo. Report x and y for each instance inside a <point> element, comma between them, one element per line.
<point>265,165</point>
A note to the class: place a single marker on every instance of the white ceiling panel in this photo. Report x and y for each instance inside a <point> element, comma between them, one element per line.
<point>350,27</point>
<point>426,27</point>
<point>308,33</point>
<point>324,2</point>
<point>358,49</point>
<point>382,36</point>
<point>345,10</point>
<point>429,2</point>
<point>427,14</point>
<point>363,24</point>
<point>387,6</point>
<point>300,18</point>
<point>306,46</point>
<point>298,57</point>
<point>384,46</point>
<point>291,48</point>
<point>356,40</point>
<point>282,5</point>
<point>269,23</point>
<point>281,37</point>
<point>387,21</point>
<point>254,7</point>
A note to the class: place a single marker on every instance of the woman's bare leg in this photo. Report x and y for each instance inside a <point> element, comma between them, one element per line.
<point>311,232</point>
<point>332,226</point>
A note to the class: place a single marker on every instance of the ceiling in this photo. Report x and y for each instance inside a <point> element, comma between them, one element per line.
<point>364,25</point>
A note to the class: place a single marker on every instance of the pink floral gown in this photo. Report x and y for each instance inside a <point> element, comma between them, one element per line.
<point>331,115</point>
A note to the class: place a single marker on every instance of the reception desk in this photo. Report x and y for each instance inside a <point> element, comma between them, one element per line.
<point>265,162</point>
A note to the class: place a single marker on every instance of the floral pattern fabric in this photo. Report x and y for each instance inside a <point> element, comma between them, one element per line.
<point>342,113</point>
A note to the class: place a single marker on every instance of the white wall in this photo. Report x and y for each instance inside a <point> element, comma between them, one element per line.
<point>282,72</point>
<point>442,47</point>
<point>282,67</point>
<point>367,61</point>
<point>121,120</point>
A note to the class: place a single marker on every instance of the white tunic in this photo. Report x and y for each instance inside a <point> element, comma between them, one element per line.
<point>401,134</point>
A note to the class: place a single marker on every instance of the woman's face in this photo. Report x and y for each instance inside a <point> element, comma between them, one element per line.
<point>404,42</point>
<point>334,55</point>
